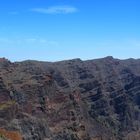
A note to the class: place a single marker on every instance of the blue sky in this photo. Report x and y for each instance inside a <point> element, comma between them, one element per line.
<point>53,30</point>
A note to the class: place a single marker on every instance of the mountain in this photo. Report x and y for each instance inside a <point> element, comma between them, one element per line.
<point>70,100</point>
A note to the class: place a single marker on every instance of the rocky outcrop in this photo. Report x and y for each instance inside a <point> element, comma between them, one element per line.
<point>70,100</point>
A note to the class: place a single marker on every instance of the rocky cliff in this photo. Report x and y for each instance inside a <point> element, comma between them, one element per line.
<point>70,100</point>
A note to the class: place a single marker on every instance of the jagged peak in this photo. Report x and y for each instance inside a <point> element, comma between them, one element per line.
<point>4,62</point>
<point>70,60</point>
<point>109,57</point>
<point>3,59</point>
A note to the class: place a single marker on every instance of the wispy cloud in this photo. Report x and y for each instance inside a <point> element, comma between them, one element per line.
<point>56,10</point>
<point>40,41</point>
<point>13,13</point>
<point>135,42</point>
<point>28,42</point>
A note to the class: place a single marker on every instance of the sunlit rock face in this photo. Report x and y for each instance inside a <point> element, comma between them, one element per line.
<point>70,100</point>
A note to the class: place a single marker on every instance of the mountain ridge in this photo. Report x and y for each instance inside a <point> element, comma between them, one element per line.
<point>46,61</point>
<point>70,100</point>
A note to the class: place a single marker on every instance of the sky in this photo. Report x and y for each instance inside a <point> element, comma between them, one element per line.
<point>54,30</point>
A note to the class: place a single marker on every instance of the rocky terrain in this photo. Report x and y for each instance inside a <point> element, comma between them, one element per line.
<point>70,100</point>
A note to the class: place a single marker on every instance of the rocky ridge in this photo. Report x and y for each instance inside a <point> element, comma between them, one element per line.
<point>70,100</point>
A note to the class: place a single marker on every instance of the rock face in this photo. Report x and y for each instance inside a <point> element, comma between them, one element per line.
<point>70,100</point>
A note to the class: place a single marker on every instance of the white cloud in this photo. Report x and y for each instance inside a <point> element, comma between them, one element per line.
<point>56,10</point>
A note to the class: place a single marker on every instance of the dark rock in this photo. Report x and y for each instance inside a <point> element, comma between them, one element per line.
<point>71,100</point>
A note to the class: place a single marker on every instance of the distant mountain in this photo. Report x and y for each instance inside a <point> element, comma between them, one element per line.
<point>70,100</point>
